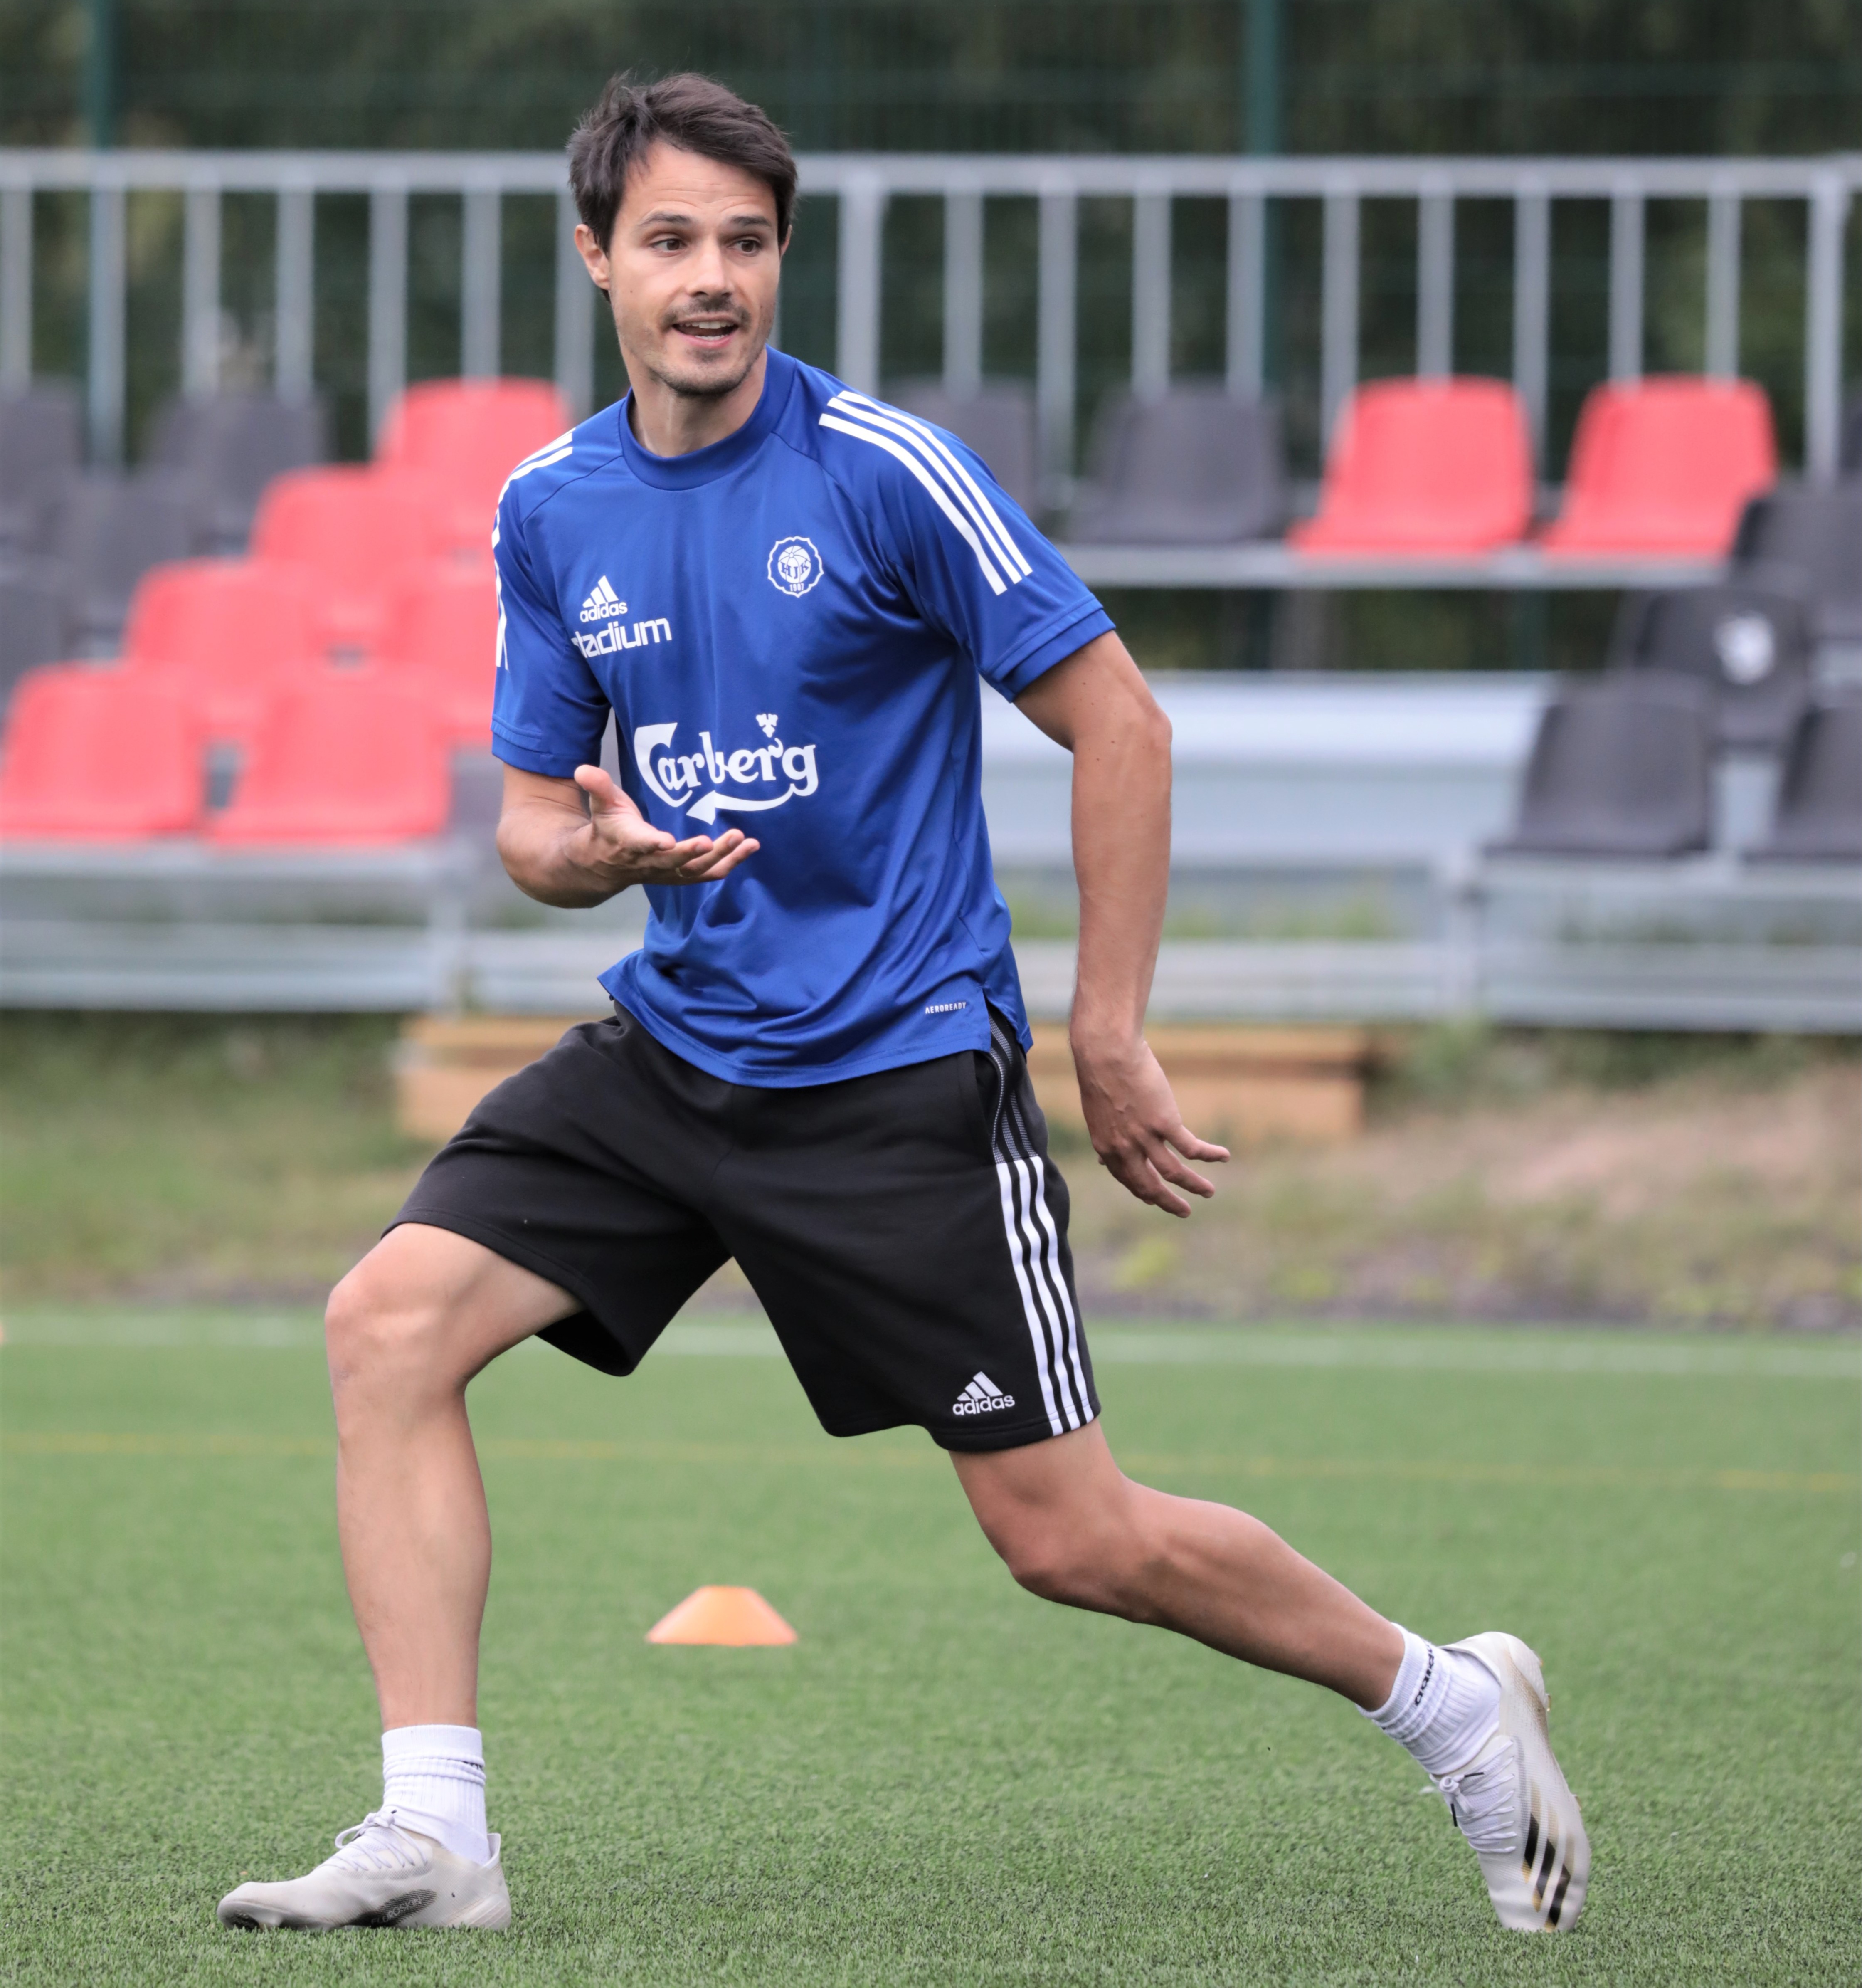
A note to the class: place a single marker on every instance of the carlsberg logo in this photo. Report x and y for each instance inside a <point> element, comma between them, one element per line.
<point>673,775</point>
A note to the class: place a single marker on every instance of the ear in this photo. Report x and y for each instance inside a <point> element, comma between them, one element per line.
<point>594,256</point>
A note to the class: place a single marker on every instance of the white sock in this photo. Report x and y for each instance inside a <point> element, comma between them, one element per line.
<point>1442,1707</point>
<point>433,1778</point>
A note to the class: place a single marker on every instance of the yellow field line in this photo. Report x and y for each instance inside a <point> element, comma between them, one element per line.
<point>568,1450</point>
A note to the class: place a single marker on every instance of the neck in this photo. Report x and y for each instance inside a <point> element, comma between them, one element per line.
<point>666,423</point>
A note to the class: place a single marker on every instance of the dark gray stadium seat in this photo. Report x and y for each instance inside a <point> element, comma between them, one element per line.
<point>1622,766</point>
<point>232,445</point>
<point>1815,532</point>
<point>1750,644</point>
<point>997,421</point>
<point>1819,817</point>
<point>41,447</point>
<point>110,530</point>
<point>1195,467</point>
<point>32,621</point>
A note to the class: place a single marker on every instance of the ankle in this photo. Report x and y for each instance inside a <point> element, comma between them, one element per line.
<point>433,1782</point>
<point>1442,1707</point>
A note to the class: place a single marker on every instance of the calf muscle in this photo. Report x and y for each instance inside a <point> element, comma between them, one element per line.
<point>1073,1528</point>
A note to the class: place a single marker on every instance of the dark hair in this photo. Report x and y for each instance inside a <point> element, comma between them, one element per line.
<point>687,110</point>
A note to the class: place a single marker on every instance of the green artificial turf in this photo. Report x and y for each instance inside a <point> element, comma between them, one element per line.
<point>945,1781</point>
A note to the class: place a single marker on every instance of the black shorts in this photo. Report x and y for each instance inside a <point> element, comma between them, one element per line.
<point>905,1232</point>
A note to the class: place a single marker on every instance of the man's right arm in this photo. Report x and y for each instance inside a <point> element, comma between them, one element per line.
<point>577,843</point>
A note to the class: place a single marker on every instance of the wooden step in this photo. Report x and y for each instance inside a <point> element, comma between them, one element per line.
<point>1237,1084</point>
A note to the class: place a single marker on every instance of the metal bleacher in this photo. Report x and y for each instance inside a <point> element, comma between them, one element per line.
<point>1327,863</point>
<point>1332,854</point>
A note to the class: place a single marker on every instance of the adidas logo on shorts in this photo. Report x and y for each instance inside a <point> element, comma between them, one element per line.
<point>982,1397</point>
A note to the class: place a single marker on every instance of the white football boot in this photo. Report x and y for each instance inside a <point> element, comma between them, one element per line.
<point>382,1875</point>
<point>1514,1805</point>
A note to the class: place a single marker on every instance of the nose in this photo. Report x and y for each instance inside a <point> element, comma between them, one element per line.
<point>709,272</point>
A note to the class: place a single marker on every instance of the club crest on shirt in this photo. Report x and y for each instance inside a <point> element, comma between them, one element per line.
<point>795,565</point>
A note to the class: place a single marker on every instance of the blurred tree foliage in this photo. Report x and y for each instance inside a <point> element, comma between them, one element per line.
<point>1401,75</point>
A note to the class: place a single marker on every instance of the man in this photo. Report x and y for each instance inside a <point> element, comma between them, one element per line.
<point>786,591</point>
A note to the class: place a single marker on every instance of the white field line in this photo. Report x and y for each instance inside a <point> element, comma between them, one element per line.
<point>1472,1350</point>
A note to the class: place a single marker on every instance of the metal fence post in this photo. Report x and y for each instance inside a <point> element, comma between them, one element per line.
<point>15,289</point>
<point>387,301</point>
<point>575,325</point>
<point>1722,341</point>
<point>1247,315</point>
<point>105,383</point>
<point>1055,340</point>
<point>1823,330</point>
<point>482,256</point>
<point>963,292</point>
<point>294,278</point>
<point>1338,307</point>
<point>857,326</point>
<point>1625,261</point>
<point>201,294</point>
<point>1435,284</point>
<point>1531,307</point>
<point>1150,293</point>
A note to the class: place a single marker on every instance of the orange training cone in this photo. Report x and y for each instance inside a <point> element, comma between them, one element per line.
<point>735,1616</point>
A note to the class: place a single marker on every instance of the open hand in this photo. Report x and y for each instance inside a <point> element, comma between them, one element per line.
<point>1137,1130</point>
<point>628,849</point>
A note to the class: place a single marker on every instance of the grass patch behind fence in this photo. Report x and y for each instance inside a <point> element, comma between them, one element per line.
<point>1543,1175</point>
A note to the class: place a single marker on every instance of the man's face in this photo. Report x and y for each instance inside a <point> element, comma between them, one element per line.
<point>690,271</point>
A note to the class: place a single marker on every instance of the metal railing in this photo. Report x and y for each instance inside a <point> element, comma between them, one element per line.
<point>864,183</point>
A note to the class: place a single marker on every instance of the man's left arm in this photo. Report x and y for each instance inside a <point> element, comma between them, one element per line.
<point>1097,705</point>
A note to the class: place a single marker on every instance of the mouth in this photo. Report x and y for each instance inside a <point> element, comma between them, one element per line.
<point>707,332</point>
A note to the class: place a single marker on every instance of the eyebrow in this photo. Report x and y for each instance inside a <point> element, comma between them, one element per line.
<point>665,218</point>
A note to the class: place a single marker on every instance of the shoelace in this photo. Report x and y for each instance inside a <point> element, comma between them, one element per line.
<point>1484,1799</point>
<point>375,1844</point>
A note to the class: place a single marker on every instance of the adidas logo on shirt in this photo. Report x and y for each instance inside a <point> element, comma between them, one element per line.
<point>602,604</point>
<point>982,1397</point>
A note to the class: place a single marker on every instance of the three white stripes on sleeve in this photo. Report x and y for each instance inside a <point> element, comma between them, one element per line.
<point>952,487</point>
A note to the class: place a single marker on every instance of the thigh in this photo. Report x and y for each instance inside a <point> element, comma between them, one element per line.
<point>584,1170</point>
<point>907,1234</point>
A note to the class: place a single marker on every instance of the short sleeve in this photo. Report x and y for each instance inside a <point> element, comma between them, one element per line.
<point>547,713</point>
<point>973,564</point>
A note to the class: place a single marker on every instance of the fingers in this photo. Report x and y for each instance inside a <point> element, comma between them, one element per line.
<point>1150,1165</point>
<point>711,861</point>
<point>700,860</point>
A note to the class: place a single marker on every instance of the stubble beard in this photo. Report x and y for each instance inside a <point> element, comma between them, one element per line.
<point>706,386</point>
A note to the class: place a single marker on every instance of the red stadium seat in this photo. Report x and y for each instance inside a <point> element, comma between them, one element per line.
<point>348,759</point>
<point>473,433</point>
<point>1440,466</point>
<point>357,530</point>
<point>1665,466</point>
<point>227,634</point>
<point>440,639</point>
<point>99,756</point>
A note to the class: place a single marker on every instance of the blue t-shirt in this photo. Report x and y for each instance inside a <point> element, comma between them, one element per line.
<point>789,627</point>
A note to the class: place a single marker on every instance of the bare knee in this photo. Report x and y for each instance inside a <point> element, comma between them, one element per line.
<point>379,1331</point>
<point>1107,1566</point>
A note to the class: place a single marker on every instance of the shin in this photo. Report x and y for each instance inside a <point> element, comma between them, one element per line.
<point>406,1330</point>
